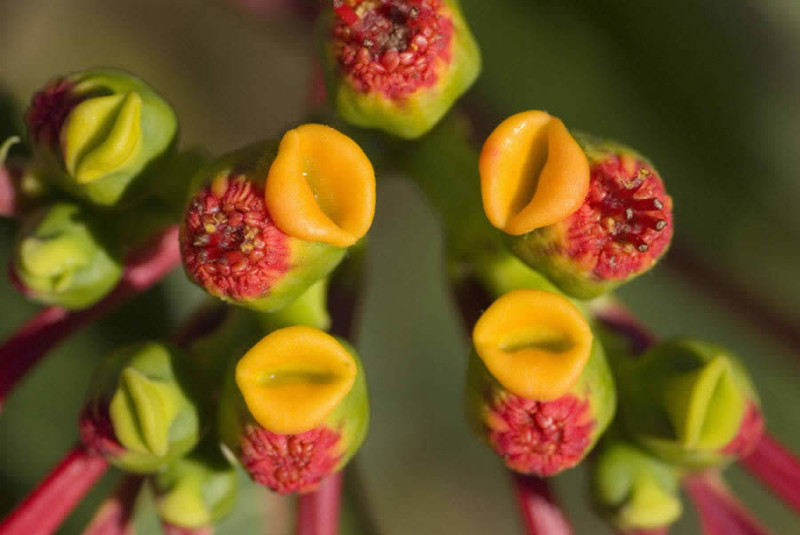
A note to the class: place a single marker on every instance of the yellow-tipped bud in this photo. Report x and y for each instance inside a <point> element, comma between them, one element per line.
<point>533,173</point>
<point>294,378</point>
<point>535,343</point>
<point>321,187</point>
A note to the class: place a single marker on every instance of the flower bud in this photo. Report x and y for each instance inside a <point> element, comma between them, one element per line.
<point>633,489</point>
<point>140,413</point>
<point>63,256</point>
<point>196,491</point>
<point>397,65</point>
<point>264,226</point>
<point>102,132</point>
<point>295,408</point>
<point>691,403</point>
<point>539,389</point>
<point>587,214</point>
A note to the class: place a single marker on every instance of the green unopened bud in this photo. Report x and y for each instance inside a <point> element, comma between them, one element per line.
<point>397,65</point>
<point>198,490</point>
<point>688,401</point>
<point>295,408</point>
<point>140,412</point>
<point>64,256</point>
<point>539,389</point>
<point>103,133</point>
<point>633,489</point>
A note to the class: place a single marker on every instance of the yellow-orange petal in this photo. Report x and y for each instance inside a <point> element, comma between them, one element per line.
<point>535,343</point>
<point>533,173</point>
<point>321,186</point>
<point>294,378</point>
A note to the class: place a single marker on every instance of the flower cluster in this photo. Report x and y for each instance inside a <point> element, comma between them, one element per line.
<point>543,223</point>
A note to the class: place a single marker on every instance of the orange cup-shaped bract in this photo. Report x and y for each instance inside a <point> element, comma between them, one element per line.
<point>534,343</point>
<point>321,186</point>
<point>533,173</point>
<point>294,378</point>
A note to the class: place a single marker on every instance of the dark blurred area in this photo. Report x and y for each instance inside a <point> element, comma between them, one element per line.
<point>707,90</point>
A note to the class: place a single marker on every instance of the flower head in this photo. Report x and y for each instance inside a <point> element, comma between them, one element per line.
<point>295,408</point>
<point>397,65</point>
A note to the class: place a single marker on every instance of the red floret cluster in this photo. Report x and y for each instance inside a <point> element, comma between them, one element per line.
<point>229,243</point>
<point>289,463</point>
<point>539,437</point>
<point>625,224</point>
<point>393,47</point>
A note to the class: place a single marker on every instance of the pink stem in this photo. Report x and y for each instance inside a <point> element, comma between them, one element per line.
<point>172,529</point>
<point>777,468</point>
<point>44,509</point>
<point>115,514</point>
<point>318,511</point>
<point>51,325</point>
<point>8,193</point>
<point>719,510</point>
<point>654,531</point>
<point>541,515</point>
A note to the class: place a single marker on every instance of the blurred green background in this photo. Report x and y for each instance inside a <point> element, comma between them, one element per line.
<point>708,90</point>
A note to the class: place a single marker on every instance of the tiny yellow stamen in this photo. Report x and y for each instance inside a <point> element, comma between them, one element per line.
<point>294,377</point>
<point>535,343</point>
<point>533,173</point>
<point>321,186</point>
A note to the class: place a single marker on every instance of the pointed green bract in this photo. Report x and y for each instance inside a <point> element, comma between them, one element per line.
<point>151,403</point>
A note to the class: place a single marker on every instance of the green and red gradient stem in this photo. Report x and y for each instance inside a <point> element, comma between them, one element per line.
<point>46,507</point>
<point>115,514</point>
<point>318,511</point>
<point>50,326</point>
<point>777,468</point>
<point>9,205</point>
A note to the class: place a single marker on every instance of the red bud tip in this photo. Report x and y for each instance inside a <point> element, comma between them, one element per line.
<point>48,110</point>
<point>97,431</point>
<point>541,438</point>
<point>289,463</point>
<point>229,243</point>
<point>394,47</point>
<point>625,224</point>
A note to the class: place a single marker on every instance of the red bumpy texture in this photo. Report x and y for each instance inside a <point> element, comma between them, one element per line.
<point>229,243</point>
<point>539,437</point>
<point>393,47</point>
<point>48,111</point>
<point>289,463</point>
<point>625,224</point>
<point>749,434</point>
<point>97,431</point>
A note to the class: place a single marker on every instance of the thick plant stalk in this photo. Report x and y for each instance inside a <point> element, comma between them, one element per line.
<point>540,513</point>
<point>115,514</point>
<point>776,468</point>
<point>318,511</point>
<point>51,325</point>
<point>44,509</point>
<point>8,194</point>
<point>719,510</point>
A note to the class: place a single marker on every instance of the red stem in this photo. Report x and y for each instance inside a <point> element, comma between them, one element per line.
<point>318,511</point>
<point>51,325</point>
<point>48,505</point>
<point>541,515</point>
<point>115,514</point>
<point>777,468</point>
<point>719,510</point>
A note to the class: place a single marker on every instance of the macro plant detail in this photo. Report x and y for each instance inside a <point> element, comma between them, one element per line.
<point>542,223</point>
